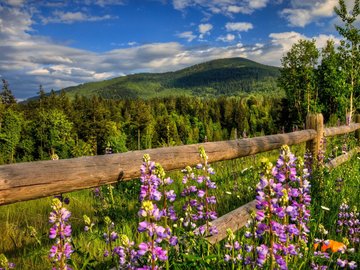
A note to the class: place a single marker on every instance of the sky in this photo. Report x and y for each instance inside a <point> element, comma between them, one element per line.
<point>58,44</point>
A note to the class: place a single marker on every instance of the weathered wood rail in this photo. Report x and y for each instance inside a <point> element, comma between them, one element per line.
<point>32,180</point>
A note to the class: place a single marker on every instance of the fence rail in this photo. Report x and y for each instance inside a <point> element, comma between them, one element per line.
<point>32,180</point>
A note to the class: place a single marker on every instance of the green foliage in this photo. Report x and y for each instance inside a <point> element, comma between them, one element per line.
<point>52,132</point>
<point>6,96</point>
<point>298,79</point>
<point>349,51</point>
<point>332,82</point>
<point>10,134</point>
<point>55,124</point>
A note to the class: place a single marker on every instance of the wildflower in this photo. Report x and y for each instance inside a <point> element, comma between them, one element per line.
<point>341,263</point>
<point>5,264</point>
<point>61,231</point>
<point>334,246</point>
<point>348,223</point>
<point>282,215</point>
<point>200,206</point>
<point>325,208</point>
<point>352,265</point>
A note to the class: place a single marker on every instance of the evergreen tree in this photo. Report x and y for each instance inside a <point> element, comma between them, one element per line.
<point>6,96</point>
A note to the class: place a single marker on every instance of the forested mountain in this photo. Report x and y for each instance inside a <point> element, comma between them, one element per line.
<point>231,76</point>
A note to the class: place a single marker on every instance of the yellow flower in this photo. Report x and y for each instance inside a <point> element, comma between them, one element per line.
<point>147,206</point>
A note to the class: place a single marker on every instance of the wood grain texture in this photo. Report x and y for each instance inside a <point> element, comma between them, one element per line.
<point>233,220</point>
<point>357,133</point>
<point>333,131</point>
<point>32,180</point>
<point>316,122</point>
<point>342,159</point>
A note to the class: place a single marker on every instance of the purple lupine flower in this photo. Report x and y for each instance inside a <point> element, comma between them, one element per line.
<point>61,231</point>
<point>143,248</point>
<point>160,253</point>
<point>170,195</point>
<point>282,209</point>
<point>348,223</point>
<point>352,265</point>
<point>262,252</point>
<point>281,262</point>
<point>211,185</point>
<point>248,234</point>
<point>341,263</point>
<point>213,230</point>
<point>173,241</point>
<point>199,207</point>
<point>201,193</point>
<point>113,236</point>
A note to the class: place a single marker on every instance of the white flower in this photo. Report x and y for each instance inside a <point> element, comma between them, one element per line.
<point>325,208</point>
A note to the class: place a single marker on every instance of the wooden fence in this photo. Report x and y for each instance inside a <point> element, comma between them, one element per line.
<point>32,180</point>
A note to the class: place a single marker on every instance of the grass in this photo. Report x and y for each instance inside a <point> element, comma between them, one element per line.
<point>236,180</point>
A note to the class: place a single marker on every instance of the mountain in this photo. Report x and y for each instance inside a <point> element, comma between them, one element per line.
<point>231,76</point>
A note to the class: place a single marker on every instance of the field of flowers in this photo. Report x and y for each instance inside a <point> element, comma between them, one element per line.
<point>306,217</point>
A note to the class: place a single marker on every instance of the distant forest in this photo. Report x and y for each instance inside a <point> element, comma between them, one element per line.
<point>55,125</point>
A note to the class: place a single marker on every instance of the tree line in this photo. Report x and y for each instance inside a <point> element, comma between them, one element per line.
<point>56,126</point>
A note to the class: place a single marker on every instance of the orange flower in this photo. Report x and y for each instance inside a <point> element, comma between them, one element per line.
<point>333,245</point>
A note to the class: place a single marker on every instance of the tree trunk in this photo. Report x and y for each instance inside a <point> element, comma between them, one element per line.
<point>138,138</point>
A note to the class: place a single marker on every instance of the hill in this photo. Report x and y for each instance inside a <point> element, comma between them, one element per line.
<point>231,76</point>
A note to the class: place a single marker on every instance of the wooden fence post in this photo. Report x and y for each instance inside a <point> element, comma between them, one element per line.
<point>315,121</point>
<point>357,133</point>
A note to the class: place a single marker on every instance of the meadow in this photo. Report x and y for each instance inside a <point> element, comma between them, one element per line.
<point>112,221</point>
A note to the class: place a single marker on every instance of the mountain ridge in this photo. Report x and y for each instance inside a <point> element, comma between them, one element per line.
<point>227,76</point>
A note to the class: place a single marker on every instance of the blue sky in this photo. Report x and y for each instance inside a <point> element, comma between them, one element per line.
<point>63,43</point>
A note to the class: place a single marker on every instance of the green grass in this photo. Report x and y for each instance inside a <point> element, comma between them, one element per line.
<point>236,180</point>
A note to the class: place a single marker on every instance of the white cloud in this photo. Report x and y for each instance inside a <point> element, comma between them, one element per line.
<point>280,43</point>
<point>71,17</point>
<point>237,9</point>
<point>14,24</point>
<point>14,2</point>
<point>227,38</point>
<point>256,4</point>
<point>226,7</point>
<point>304,12</point>
<point>103,3</point>
<point>239,26</point>
<point>204,29</point>
<point>188,35</point>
